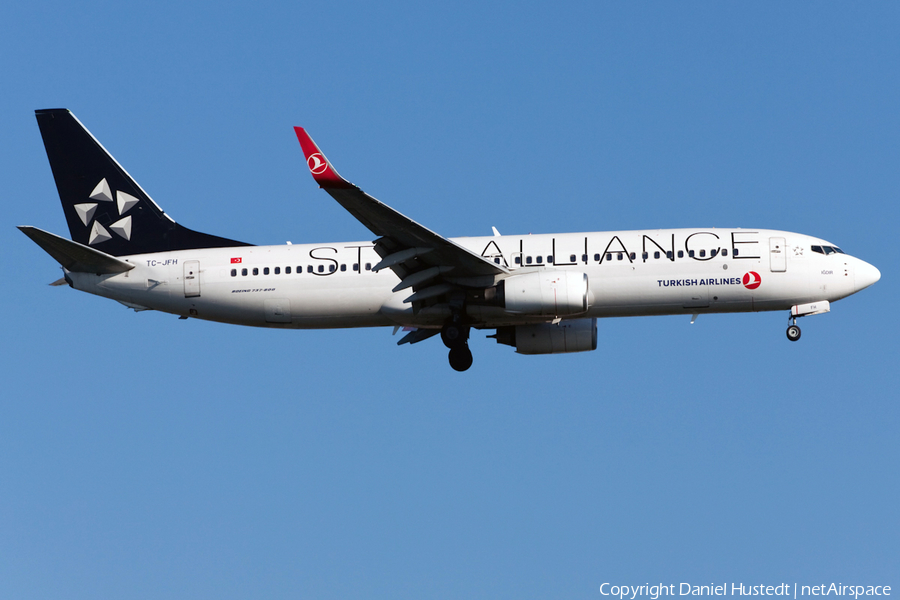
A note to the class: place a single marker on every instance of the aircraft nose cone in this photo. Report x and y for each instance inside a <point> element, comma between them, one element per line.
<point>866,275</point>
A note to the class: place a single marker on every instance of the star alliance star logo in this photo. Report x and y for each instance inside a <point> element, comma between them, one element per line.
<point>124,203</point>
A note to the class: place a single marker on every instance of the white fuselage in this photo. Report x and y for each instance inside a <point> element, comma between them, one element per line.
<point>630,273</point>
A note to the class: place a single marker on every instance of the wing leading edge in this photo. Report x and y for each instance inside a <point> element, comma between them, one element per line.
<point>421,258</point>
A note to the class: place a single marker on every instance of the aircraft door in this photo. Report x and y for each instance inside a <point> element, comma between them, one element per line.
<point>777,255</point>
<point>191,278</point>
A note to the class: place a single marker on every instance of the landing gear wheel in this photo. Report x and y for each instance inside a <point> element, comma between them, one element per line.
<point>793,333</point>
<point>460,358</point>
<point>452,335</point>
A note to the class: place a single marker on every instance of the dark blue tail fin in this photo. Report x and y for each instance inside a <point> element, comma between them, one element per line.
<point>104,207</point>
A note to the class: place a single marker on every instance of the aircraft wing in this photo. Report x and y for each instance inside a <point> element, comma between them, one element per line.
<point>420,257</point>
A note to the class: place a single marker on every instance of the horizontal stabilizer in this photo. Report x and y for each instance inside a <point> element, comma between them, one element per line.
<point>76,257</point>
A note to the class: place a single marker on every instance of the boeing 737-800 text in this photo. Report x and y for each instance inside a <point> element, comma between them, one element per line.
<point>542,293</point>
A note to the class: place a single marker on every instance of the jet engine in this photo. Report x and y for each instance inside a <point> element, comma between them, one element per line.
<point>549,293</point>
<point>577,335</point>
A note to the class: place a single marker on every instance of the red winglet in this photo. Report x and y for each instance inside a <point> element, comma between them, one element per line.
<point>322,171</point>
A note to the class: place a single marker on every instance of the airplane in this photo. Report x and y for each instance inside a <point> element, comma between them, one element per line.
<point>541,294</point>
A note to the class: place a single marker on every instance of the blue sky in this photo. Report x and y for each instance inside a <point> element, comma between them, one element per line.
<point>144,457</point>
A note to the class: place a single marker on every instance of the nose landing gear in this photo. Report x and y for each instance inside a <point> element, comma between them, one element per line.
<point>793,332</point>
<point>804,310</point>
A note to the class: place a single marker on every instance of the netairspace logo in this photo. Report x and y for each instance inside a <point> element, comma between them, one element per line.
<point>654,592</point>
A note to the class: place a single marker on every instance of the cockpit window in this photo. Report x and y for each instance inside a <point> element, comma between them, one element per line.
<point>827,249</point>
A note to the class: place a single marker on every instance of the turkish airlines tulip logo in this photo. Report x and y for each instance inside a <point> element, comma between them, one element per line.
<point>751,280</point>
<point>317,163</point>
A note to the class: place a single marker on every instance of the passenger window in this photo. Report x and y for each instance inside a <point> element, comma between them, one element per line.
<point>656,254</point>
<point>496,261</point>
<point>702,253</point>
<point>527,260</point>
<point>724,251</point>
<point>266,271</point>
<point>713,252</point>
<point>243,272</point>
<point>518,260</point>
<point>734,252</point>
<point>584,258</point>
<point>681,254</point>
<point>669,254</point>
<point>646,255</point>
<point>691,253</point>
<point>549,259</point>
<point>255,271</point>
<point>234,272</point>
<point>631,256</point>
<point>287,270</point>
<point>621,256</point>
<point>368,266</point>
<point>343,267</point>
<point>572,258</point>
<point>356,266</point>
<point>597,257</point>
<point>539,259</point>
<point>309,269</point>
<point>278,270</point>
<point>609,256</point>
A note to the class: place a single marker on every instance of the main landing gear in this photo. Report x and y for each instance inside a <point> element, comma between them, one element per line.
<point>793,332</point>
<point>455,336</point>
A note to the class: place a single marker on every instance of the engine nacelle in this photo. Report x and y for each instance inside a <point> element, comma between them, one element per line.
<point>547,293</point>
<point>577,335</point>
